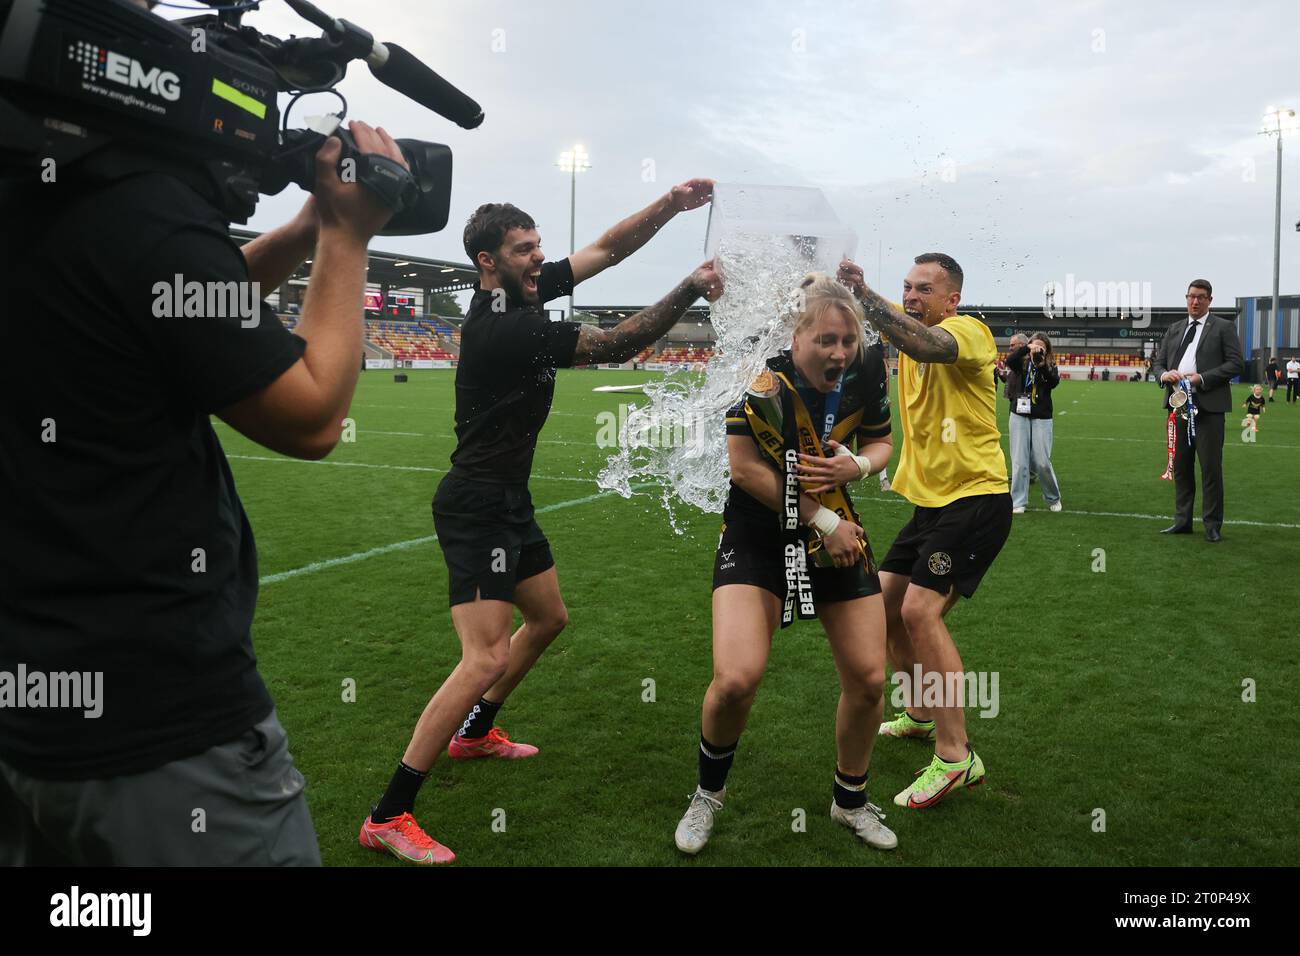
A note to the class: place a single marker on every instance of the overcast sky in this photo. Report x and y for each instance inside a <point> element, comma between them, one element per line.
<point>1114,141</point>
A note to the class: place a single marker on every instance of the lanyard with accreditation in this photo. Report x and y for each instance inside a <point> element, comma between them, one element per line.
<point>783,428</point>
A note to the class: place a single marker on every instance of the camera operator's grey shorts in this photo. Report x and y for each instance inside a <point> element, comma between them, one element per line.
<point>240,803</point>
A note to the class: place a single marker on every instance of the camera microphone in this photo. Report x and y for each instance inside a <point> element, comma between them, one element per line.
<point>391,65</point>
<point>398,69</point>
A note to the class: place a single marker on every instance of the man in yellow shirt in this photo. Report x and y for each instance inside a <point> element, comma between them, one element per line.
<point>953,470</point>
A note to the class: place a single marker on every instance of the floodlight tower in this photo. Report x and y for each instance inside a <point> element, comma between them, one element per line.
<point>1277,121</point>
<point>573,161</point>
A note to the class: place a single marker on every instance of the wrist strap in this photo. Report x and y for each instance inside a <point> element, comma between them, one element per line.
<point>864,463</point>
<point>825,521</point>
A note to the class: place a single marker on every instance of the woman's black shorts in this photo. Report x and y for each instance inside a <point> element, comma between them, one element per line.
<point>750,552</point>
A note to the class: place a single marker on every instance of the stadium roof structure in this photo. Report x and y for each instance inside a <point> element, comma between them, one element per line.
<point>1036,315</point>
<point>610,315</point>
<point>998,316</point>
<point>398,270</point>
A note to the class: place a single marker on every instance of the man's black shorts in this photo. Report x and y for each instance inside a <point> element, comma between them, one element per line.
<point>952,545</point>
<point>489,538</point>
<point>750,552</point>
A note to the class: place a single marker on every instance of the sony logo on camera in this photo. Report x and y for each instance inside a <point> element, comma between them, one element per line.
<point>242,84</point>
<point>101,63</point>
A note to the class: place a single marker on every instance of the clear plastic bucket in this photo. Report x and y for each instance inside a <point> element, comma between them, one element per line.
<point>799,216</point>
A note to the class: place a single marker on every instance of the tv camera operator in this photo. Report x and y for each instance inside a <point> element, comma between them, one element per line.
<point>127,564</point>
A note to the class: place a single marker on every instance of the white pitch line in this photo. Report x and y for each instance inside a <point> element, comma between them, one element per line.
<point>362,464</point>
<point>428,409</point>
<point>899,500</point>
<point>1226,444</point>
<point>349,559</point>
<point>540,441</point>
<point>401,545</point>
<point>1068,438</point>
<point>1120,514</point>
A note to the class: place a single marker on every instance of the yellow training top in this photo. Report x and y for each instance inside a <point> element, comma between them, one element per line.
<point>951,445</point>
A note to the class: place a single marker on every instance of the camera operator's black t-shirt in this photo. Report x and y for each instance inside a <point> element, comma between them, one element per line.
<point>124,548</point>
<point>505,379</point>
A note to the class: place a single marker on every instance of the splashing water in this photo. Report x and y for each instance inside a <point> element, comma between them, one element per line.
<point>677,440</point>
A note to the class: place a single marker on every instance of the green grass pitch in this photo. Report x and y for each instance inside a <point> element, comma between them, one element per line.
<point>1120,690</point>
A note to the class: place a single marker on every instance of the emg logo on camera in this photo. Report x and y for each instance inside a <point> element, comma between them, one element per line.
<point>99,63</point>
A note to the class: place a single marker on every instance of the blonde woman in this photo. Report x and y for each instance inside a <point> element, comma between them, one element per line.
<point>1033,377</point>
<point>792,546</point>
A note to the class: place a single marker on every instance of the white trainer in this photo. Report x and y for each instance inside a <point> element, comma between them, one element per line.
<point>1054,506</point>
<point>866,823</point>
<point>1017,511</point>
<point>697,825</point>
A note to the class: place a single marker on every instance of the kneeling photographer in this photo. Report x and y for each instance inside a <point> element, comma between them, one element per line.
<point>134,726</point>
<point>1033,375</point>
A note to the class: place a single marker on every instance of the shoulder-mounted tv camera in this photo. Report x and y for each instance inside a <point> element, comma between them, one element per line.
<point>114,89</point>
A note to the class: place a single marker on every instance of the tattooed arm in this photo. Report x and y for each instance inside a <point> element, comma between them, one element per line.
<point>922,342</point>
<point>626,237</point>
<point>646,327</point>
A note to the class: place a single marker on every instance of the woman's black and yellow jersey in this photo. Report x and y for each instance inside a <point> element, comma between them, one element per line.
<point>863,414</point>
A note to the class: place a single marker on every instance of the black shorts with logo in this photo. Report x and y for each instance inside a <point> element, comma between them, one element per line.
<point>750,552</point>
<point>489,538</point>
<point>952,545</point>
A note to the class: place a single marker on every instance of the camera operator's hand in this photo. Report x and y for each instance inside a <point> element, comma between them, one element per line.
<point>844,544</point>
<point>351,207</point>
<point>301,412</point>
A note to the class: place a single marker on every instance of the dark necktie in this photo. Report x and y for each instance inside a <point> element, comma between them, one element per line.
<point>1187,340</point>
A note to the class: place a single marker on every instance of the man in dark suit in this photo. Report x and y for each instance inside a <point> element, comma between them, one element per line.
<point>1203,350</point>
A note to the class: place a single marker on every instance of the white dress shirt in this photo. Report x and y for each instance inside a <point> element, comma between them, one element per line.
<point>1187,364</point>
<point>1293,369</point>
